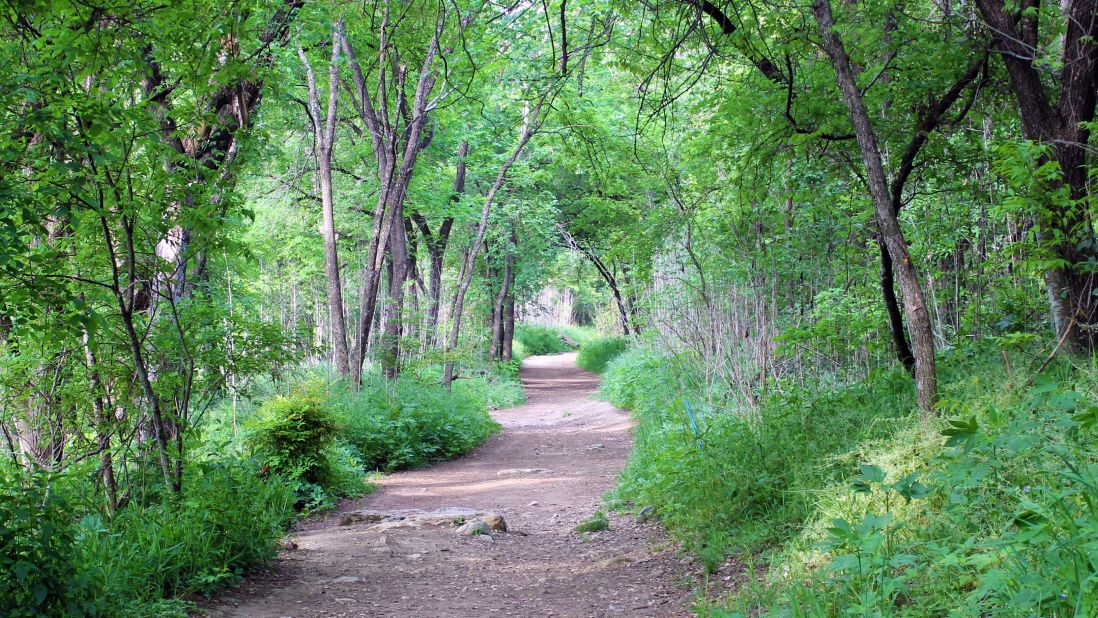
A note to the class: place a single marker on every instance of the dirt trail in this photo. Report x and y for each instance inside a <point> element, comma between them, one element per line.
<point>545,472</point>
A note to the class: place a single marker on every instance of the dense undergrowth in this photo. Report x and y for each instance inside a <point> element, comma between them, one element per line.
<point>846,503</point>
<point>597,352</point>
<point>295,446</point>
<point>535,340</point>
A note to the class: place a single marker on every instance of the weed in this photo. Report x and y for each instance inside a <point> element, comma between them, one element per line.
<point>596,523</point>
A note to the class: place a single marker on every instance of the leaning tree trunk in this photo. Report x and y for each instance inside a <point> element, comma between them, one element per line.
<point>922,336</point>
<point>529,127</point>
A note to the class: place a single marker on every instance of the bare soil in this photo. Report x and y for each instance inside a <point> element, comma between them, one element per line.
<point>544,473</point>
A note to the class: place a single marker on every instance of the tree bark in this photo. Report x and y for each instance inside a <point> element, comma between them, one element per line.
<point>392,143</point>
<point>922,336</point>
<point>530,126</point>
<point>324,132</point>
<point>1064,128</point>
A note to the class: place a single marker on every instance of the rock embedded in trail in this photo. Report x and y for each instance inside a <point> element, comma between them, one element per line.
<point>475,527</point>
<point>518,471</point>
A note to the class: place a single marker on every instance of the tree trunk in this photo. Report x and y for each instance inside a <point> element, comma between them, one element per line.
<point>922,336</point>
<point>529,127</point>
<point>436,246</point>
<point>398,274</point>
<point>324,132</point>
<point>1064,127</point>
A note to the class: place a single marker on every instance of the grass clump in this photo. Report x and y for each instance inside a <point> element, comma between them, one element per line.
<point>60,557</point>
<point>595,353</point>
<point>196,544</point>
<point>295,438</point>
<point>598,522</point>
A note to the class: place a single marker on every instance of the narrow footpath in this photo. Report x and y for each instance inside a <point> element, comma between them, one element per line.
<point>388,555</point>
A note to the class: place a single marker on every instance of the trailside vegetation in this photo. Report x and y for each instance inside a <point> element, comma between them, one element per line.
<point>837,258</point>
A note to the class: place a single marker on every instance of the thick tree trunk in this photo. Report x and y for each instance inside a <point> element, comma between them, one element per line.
<point>394,310</point>
<point>509,327</point>
<point>922,336</point>
<point>1064,127</point>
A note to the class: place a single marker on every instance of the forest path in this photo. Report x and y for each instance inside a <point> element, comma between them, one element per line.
<point>544,473</point>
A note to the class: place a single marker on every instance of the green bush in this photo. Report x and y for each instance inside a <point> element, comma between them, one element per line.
<point>409,423</point>
<point>596,353</point>
<point>538,340</point>
<point>38,573</point>
<point>227,521</point>
<point>295,438</point>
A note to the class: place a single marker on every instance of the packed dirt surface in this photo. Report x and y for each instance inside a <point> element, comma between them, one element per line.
<point>398,552</point>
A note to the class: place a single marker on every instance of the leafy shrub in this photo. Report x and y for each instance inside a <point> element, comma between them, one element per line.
<point>596,353</point>
<point>295,438</point>
<point>228,520</point>
<point>538,340</point>
<point>723,479</point>
<point>38,574</point>
<point>409,423</point>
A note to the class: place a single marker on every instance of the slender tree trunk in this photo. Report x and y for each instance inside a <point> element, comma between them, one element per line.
<point>324,132</point>
<point>496,349</point>
<point>529,127</point>
<point>392,144</point>
<point>436,246</point>
<point>892,308</point>
<point>922,336</point>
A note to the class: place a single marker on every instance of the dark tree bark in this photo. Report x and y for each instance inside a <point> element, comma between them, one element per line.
<point>922,336</point>
<point>1062,126</point>
<point>605,273</point>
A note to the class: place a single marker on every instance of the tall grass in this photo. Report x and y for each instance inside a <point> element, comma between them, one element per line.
<point>595,353</point>
<point>536,340</point>
<point>860,508</point>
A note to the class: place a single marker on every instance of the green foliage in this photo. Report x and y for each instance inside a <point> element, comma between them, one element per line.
<point>408,423</point>
<point>732,479</point>
<point>861,508</point>
<point>294,438</point>
<point>228,521</point>
<point>38,576</point>
<point>594,354</point>
<point>59,564</point>
<point>538,340</point>
<point>597,522</point>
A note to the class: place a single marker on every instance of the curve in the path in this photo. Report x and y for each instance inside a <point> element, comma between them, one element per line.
<point>545,472</point>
